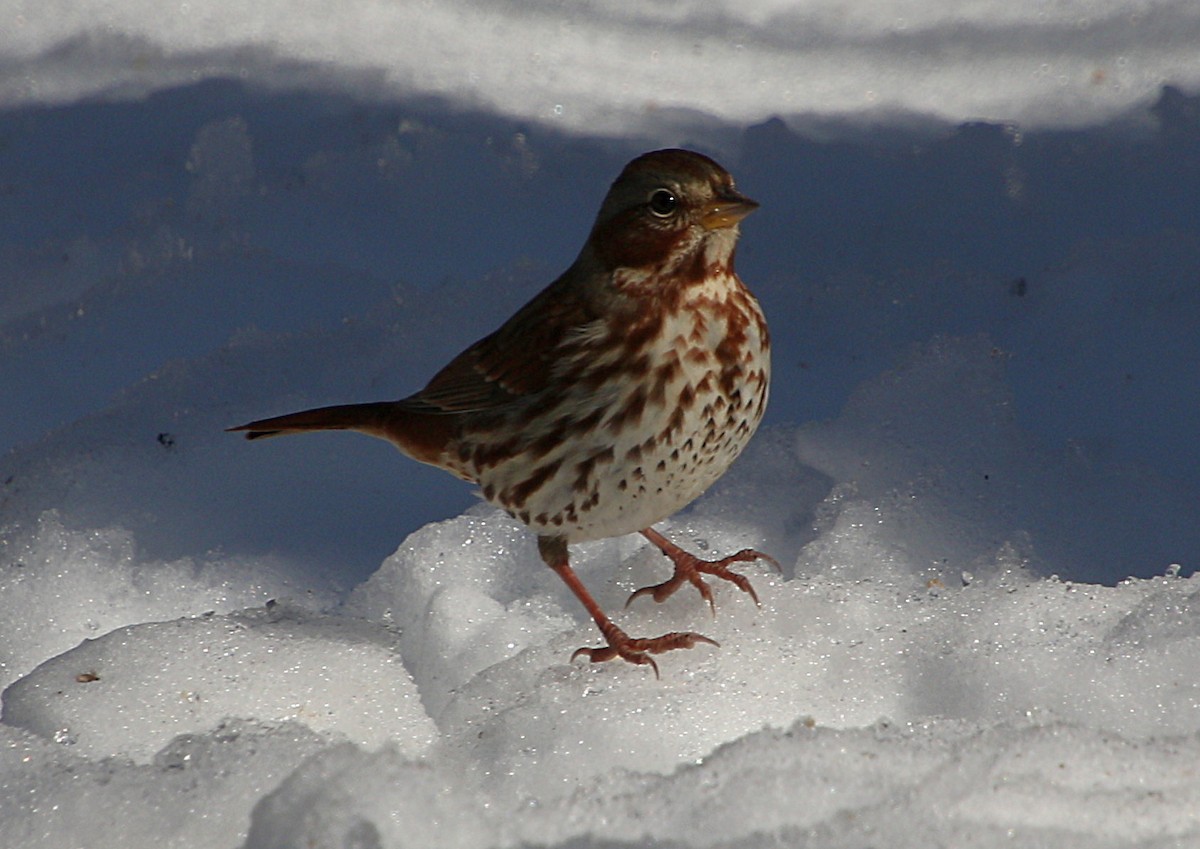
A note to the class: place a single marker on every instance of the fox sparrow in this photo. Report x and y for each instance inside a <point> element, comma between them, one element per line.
<point>615,397</point>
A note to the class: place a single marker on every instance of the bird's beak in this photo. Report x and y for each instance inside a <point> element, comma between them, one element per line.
<point>726,211</point>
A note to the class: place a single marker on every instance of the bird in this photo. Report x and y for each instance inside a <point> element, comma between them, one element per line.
<point>614,398</point>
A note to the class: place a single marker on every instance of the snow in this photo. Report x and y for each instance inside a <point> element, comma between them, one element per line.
<point>978,251</point>
<point>611,68</point>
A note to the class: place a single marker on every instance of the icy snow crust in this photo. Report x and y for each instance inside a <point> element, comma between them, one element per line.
<point>979,470</point>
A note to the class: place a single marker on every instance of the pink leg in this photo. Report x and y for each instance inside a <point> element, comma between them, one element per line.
<point>619,644</point>
<point>688,568</point>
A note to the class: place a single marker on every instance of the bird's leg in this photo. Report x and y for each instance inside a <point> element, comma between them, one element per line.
<point>619,644</point>
<point>688,567</point>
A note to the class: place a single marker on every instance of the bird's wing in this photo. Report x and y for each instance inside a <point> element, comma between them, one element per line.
<point>514,362</point>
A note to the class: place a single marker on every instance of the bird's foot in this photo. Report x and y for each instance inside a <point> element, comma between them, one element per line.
<point>638,649</point>
<point>689,568</point>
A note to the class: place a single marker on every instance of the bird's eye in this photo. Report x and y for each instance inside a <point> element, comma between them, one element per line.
<point>663,202</point>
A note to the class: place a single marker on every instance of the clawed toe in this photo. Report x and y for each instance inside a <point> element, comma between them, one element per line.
<point>689,567</point>
<point>638,649</point>
<point>754,554</point>
<point>661,592</point>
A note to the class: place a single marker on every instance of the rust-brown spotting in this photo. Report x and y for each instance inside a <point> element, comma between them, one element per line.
<point>614,396</point>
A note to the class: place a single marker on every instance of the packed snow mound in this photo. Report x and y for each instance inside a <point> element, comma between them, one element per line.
<point>60,585</point>
<point>198,792</point>
<point>133,690</point>
<point>864,698</point>
<point>937,782</point>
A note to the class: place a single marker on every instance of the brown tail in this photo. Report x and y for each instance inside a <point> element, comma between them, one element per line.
<point>421,436</point>
<point>366,418</point>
